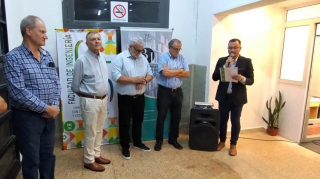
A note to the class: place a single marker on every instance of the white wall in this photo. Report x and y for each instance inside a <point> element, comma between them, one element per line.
<point>182,17</point>
<point>49,11</point>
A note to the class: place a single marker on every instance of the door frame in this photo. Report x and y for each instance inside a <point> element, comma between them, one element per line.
<point>304,136</point>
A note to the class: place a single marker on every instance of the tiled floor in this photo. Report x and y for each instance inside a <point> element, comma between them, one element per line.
<point>313,129</point>
<point>255,159</point>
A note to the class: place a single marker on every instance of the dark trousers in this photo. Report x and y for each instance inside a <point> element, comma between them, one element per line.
<point>168,99</point>
<point>225,107</point>
<point>130,107</point>
<point>36,139</point>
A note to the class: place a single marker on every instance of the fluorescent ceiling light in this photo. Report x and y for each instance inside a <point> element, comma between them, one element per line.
<point>99,12</point>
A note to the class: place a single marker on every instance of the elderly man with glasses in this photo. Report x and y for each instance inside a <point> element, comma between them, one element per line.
<point>172,68</point>
<point>132,72</point>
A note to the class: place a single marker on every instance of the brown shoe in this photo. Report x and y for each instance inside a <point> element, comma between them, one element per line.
<point>101,160</point>
<point>221,145</point>
<point>94,167</point>
<point>233,150</point>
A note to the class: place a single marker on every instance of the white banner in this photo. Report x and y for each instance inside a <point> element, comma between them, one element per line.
<point>71,45</point>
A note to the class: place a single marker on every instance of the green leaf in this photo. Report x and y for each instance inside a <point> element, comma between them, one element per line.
<point>265,120</point>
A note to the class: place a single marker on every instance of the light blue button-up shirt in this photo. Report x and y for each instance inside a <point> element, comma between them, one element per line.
<point>173,64</point>
<point>90,75</point>
<point>125,65</point>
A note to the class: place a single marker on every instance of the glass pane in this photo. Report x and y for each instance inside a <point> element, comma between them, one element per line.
<point>5,133</point>
<point>294,53</point>
<point>145,12</point>
<point>2,52</point>
<point>314,88</point>
<point>92,10</point>
<point>303,13</point>
<point>6,161</point>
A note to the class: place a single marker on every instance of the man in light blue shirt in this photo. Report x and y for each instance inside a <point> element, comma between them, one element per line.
<point>172,68</point>
<point>132,72</point>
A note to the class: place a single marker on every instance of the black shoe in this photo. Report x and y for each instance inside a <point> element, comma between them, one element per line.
<point>142,147</point>
<point>176,145</point>
<point>158,145</point>
<point>126,154</point>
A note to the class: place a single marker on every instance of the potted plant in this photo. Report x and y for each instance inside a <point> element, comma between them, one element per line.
<point>273,115</point>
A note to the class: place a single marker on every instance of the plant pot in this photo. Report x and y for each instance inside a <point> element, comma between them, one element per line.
<point>272,132</point>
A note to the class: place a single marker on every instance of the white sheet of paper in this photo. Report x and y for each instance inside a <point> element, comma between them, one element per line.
<point>227,73</point>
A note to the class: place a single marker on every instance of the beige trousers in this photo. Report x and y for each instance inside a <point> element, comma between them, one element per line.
<point>94,114</point>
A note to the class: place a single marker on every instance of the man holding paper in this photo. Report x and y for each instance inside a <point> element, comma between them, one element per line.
<point>232,94</point>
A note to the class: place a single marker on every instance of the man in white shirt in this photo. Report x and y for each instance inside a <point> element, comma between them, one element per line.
<point>132,72</point>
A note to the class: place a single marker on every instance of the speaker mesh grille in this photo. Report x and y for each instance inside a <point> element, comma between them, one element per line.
<point>204,137</point>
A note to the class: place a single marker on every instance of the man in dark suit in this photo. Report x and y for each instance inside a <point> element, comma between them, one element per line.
<point>232,95</point>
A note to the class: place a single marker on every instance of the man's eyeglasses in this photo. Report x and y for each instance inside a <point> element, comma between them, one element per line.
<point>236,48</point>
<point>138,51</point>
<point>176,49</point>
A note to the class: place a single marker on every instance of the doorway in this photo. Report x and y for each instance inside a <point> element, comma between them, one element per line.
<point>311,130</point>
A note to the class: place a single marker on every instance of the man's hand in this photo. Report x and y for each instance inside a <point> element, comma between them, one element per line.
<point>51,112</point>
<point>238,77</point>
<point>139,86</point>
<point>228,61</point>
<point>139,80</point>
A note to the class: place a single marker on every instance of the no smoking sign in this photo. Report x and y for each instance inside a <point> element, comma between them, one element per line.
<point>119,11</point>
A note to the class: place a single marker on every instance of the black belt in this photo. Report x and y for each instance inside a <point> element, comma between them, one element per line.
<point>91,96</point>
<point>169,89</point>
<point>134,96</point>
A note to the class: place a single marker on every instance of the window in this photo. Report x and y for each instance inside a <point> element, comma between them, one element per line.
<point>303,13</point>
<point>294,53</point>
<point>299,33</point>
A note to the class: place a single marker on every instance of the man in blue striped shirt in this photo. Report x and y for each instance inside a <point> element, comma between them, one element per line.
<point>172,68</point>
<point>34,92</point>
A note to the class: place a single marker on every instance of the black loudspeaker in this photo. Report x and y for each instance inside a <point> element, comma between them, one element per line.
<point>204,129</point>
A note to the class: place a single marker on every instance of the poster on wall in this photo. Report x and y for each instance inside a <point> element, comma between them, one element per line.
<point>155,44</point>
<point>71,44</point>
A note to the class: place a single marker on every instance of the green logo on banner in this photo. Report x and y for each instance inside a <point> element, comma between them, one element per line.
<point>69,126</point>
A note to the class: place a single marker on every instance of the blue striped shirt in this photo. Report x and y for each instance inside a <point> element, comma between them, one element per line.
<point>32,84</point>
<point>173,64</point>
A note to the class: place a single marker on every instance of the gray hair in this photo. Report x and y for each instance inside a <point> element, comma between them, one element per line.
<point>136,40</point>
<point>174,41</point>
<point>91,32</point>
<point>30,21</point>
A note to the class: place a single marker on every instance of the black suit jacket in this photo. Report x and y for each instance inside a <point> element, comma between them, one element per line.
<point>239,90</point>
